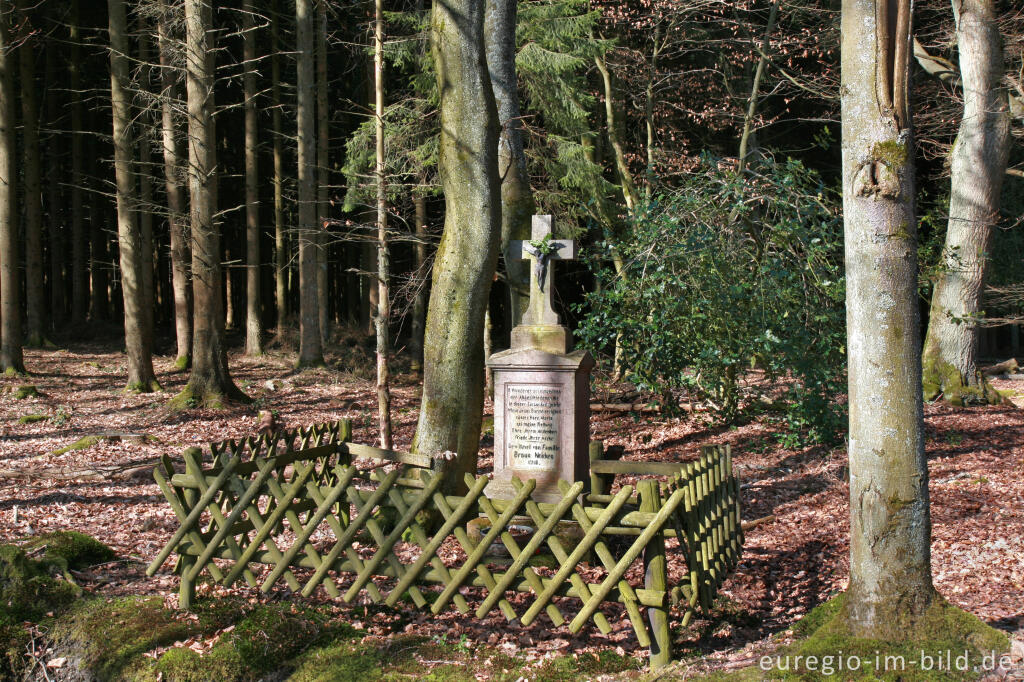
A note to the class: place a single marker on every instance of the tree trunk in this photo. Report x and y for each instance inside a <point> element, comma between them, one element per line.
<point>516,197</point>
<point>99,244</point>
<point>323,163</point>
<point>11,359</point>
<point>176,222</point>
<point>419,305</point>
<point>253,328</point>
<point>451,408</point>
<point>146,202</point>
<point>977,168</point>
<point>755,88</point>
<point>615,136</point>
<point>890,526</point>
<point>79,256</point>
<point>55,209</point>
<point>138,345</point>
<point>383,312</point>
<point>310,347</point>
<point>280,243</point>
<point>35,298</point>
<point>210,382</point>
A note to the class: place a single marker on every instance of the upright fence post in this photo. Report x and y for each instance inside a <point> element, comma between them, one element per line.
<point>656,578</point>
<point>597,481</point>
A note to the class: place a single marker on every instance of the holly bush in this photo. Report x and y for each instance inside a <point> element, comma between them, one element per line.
<point>724,274</point>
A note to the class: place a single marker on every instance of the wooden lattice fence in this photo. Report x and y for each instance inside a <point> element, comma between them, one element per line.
<point>273,500</point>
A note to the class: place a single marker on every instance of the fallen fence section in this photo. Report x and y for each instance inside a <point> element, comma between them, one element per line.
<point>295,501</point>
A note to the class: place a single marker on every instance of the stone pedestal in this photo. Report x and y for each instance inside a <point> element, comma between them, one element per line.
<point>541,419</point>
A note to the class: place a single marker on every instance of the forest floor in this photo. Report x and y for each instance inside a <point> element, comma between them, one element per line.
<point>790,564</point>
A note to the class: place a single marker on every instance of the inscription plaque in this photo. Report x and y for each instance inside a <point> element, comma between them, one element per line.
<point>533,433</point>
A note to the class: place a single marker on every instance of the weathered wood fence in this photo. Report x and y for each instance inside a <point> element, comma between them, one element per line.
<point>294,506</point>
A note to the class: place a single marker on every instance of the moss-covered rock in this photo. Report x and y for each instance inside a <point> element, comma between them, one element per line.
<point>32,418</point>
<point>75,550</point>
<point>28,591</point>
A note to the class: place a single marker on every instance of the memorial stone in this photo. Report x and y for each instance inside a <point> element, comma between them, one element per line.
<point>541,387</point>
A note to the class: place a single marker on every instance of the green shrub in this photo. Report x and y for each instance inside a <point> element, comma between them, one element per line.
<point>723,274</point>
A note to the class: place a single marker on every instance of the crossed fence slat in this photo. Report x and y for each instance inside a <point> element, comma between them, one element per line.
<point>292,488</point>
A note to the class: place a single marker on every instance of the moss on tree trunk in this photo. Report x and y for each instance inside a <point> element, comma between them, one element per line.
<point>451,408</point>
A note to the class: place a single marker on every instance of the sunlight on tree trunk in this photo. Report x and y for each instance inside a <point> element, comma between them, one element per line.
<point>516,196</point>
<point>140,362</point>
<point>977,168</point>
<point>210,382</point>
<point>890,561</point>
<point>11,360</point>
<point>451,409</point>
<point>310,348</point>
<point>177,224</point>
<point>253,326</point>
<point>280,242</point>
<point>383,312</point>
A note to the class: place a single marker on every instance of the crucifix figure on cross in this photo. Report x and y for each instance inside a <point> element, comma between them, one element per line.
<point>542,249</point>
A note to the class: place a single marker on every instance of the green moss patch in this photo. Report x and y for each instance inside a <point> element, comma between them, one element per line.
<point>25,392</point>
<point>80,444</point>
<point>28,590</point>
<point>945,632</point>
<point>75,549</point>
<point>32,418</point>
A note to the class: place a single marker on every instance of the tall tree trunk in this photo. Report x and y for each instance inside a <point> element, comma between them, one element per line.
<point>177,222</point>
<point>419,305</point>
<point>977,167</point>
<point>11,359</point>
<point>310,347</point>
<point>138,345</point>
<point>383,312</point>
<point>516,197</point>
<point>451,408</point>
<point>55,209</point>
<point>35,292</point>
<point>79,247</point>
<point>280,242</point>
<point>210,382</point>
<point>890,526</point>
<point>253,328</point>
<point>145,205</point>
<point>99,243</point>
<point>323,165</point>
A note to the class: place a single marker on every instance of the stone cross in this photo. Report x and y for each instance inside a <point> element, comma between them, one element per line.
<point>540,310</point>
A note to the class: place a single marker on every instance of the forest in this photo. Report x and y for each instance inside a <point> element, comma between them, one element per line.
<point>789,230</point>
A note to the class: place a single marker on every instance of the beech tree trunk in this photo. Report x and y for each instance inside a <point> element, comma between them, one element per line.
<point>890,526</point>
<point>383,312</point>
<point>280,243</point>
<point>177,224</point>
<point>79,246</point>
<point>210,382</point>
<point>323,164</point>
<point>977,168</point>
<point>451,408</point>
<point>516,197</point>
<point>253,328</point>
<point>310,348</point>
<point>137,342</point>
<point>11,359</point>
<point>35,298</point>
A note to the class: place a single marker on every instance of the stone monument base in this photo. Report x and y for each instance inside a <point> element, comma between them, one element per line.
<point>541,420</point>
